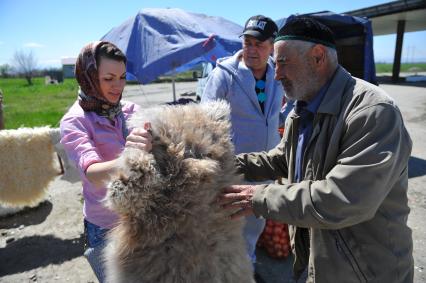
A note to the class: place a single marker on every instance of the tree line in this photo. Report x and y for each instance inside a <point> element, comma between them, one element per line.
<point>25,66</point>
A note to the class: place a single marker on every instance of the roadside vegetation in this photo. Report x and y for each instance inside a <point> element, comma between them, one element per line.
<point>405,67</point>
<point>38,104</point>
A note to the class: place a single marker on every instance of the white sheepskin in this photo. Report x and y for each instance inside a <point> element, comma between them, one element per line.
<point>170,228</point>
<point>28,164</point>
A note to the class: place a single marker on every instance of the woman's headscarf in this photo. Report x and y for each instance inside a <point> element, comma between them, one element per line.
<point>90,94</point>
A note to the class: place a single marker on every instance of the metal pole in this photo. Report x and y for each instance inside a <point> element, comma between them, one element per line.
<point>398,50</point>
<point>174,88</point>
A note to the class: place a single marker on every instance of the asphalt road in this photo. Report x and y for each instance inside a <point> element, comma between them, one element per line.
<point>411,100</point>
<point>154,94</point>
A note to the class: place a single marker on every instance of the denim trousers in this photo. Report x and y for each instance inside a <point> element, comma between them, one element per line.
<point>94,246</point>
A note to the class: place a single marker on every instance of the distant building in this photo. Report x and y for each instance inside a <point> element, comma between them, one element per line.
<point>68,67</point>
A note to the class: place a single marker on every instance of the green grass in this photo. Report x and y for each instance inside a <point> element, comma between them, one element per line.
<point>36,105</point>
<point>43,105</point>
<point>405,67</point>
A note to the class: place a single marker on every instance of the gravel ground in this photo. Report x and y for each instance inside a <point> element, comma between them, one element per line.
<point>45,244</point>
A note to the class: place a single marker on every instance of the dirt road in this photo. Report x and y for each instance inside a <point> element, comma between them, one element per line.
<point>45,244</point>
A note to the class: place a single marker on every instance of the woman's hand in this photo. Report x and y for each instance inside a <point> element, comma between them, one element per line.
<point>140,138</point>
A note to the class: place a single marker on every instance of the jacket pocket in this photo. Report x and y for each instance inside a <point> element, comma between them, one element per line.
<point>350,251</point>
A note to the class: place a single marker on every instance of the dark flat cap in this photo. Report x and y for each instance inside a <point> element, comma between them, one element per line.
<point>306,29</point>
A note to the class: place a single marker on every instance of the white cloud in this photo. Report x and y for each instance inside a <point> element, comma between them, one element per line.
<point>65,57</point>
<point>50,63</point>
<point>68,60</point>
<point>33,45</point>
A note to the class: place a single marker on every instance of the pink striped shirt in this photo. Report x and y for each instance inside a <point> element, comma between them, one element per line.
<point>89,138</point>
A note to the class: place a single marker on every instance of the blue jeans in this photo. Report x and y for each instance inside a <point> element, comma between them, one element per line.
<point>251,232</point>
<point>94,246</point>
<point>252,229</point>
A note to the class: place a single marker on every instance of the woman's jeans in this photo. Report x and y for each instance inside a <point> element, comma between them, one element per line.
<point>94,246</point>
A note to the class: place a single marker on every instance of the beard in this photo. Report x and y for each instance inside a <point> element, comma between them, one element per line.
<point>304,87</point>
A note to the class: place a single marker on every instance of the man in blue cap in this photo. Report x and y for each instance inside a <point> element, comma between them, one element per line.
<point>246,81</point>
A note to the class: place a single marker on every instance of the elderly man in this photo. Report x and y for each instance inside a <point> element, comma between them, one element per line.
<point>246,81</point>
<point>345,154</point>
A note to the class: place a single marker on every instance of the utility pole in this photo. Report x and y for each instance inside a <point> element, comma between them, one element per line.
<point>407,58</point>
<point>413,49</point>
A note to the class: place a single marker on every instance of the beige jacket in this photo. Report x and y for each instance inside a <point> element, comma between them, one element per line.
<point>353,199</point>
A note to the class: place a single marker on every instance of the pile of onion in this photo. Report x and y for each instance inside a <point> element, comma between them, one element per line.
<point>275,240</point>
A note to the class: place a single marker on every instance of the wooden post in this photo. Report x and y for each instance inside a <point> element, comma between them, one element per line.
<point>1,111</point>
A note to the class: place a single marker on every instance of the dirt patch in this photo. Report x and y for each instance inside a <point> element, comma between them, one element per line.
<point>45,243</point>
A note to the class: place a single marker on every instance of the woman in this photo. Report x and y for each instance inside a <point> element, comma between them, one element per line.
<point>94,133</point>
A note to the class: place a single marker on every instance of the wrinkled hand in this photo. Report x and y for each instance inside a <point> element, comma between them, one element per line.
<point>238,196</point>
<point>140,138</point>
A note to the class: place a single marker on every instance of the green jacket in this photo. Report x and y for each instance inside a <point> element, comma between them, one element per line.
<point>353,200</point>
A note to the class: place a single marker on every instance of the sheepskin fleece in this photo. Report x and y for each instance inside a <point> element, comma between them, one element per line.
<point>28,164</point>
<point>171,229</point>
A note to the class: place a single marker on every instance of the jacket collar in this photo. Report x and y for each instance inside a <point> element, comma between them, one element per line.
<point>331,103</point>
<point>242,75</point>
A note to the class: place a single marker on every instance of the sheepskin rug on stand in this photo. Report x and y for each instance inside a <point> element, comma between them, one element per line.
<point>170,228</point>
<point>28,164</point>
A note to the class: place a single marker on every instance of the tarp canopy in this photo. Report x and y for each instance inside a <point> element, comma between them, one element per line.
<point>159,41</point>
<point>354,38</point>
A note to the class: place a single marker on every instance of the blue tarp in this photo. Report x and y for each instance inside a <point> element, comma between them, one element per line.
<point>345,26</point>
<point>159,41</point>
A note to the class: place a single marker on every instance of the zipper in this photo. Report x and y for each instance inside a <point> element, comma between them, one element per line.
<point>346,251</point>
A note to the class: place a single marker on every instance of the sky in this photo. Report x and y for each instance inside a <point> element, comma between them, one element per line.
<point>58,29</point>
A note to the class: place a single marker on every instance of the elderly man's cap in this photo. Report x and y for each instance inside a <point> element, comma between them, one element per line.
<point>260,27</point>
<point>307,29</point>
